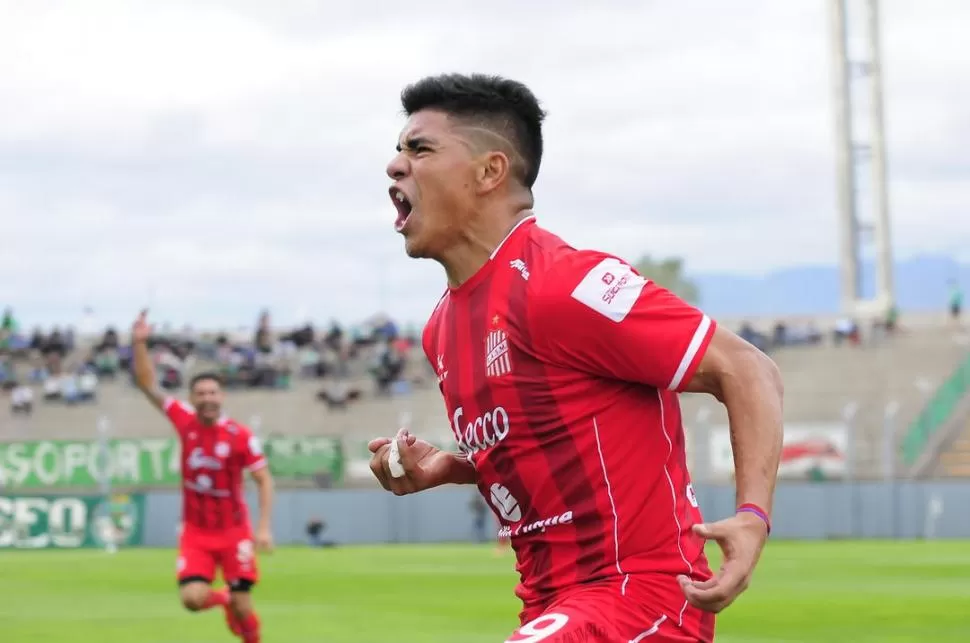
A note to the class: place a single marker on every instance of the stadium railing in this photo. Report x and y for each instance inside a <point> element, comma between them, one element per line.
<point>936,413</point>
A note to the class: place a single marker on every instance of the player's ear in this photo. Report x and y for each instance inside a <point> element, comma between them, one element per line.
<point>492,171</point>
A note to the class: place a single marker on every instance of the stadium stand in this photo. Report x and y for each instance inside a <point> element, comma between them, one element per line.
<point>312,390</point>
<point>823,382</point>
<point>955,461</point>
<point>939,442</point>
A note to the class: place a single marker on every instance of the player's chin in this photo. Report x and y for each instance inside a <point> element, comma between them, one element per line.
<point>415,246</point>
<point>209,415</point>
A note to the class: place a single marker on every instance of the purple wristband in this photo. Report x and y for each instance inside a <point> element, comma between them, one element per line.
<point>758,511</point>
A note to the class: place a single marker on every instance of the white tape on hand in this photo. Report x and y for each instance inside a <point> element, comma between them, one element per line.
<point>394,460</point>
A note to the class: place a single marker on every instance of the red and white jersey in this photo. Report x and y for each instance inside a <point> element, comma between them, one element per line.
<point>560,370</point>
<point>214,459</point>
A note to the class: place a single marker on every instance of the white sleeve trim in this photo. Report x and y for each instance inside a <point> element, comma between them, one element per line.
<point>169,402</point>
<point>691,353</point>
<point>256,466</point>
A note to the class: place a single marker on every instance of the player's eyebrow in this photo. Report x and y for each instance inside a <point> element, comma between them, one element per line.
<point>414,142</point>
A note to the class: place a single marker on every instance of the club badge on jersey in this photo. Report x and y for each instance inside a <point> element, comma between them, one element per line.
<point>498,362</point>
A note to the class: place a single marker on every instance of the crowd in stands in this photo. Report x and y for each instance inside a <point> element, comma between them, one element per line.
<point>845,331</point>
<point>782,335</point>
<point>59,368</point>
<point>41,360</point>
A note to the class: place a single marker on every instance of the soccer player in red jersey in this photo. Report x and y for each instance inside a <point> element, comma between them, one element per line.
<point>560,370</point>
<point>216,451</point>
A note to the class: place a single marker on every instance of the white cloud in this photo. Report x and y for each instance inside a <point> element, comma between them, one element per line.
<point>216,157</point>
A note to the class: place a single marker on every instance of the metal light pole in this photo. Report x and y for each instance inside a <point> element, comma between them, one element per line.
<point>851,153</point>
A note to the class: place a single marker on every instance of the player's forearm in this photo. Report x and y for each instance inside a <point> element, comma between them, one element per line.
<point>754,400</point>
<point>264,490</point>
<point>460,470</point>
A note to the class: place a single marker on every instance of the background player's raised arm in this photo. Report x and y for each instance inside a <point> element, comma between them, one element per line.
<point>142,362</point>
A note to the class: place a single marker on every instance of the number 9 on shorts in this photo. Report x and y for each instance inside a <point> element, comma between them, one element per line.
<point>539,629</point>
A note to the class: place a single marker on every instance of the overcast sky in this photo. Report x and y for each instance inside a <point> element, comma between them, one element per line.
<point>210,158</point>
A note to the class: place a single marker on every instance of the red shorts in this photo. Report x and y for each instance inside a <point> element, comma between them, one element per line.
<point>232,551</point>
<point>647,609</point>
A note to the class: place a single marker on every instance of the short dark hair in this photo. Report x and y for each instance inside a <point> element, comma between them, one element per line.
<point>204,377</point>
<point>505,106</point>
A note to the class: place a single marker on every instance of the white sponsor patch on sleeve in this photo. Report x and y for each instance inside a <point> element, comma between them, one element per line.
<point>255,446</point>
<point>611,288</point>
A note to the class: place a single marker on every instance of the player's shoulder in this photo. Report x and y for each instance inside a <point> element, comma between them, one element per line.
<point>179,412</point>
<point>235,428</point>
<point>567,269</point>
<point>175,404</point>
<point>577,281</point>
<point>242,436</point>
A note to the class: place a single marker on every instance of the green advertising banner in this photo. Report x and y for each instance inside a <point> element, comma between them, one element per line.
<point>71,522</point>
<point>52,464</point>
<point>298,458</point>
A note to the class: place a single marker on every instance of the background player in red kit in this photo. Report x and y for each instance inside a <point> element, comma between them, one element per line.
<point>216,533</point>
<point>560,370</point>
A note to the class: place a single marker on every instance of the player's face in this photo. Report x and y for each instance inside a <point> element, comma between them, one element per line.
<point>206,397</point>
<point>434,174</point>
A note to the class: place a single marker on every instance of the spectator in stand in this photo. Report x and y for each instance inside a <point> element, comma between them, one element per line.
<point>388,365</point>
<point>8,378</point>
<point>52,388</point>
<point>8,328</point>
<point>54,351</point>
<point>263,341</point>
<point>797,335</point>
<point>80,387</point>
<point>335,336</point>
<point>169,366</point>
<point>956,301</point>
<point>846,330</point>
<point>105,356</point>
<point>22,400</point>
<point>37,340</point>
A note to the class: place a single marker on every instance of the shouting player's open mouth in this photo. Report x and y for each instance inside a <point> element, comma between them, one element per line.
<point>404,208</point>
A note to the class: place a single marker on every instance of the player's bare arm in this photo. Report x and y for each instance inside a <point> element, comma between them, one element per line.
<point>749,384</point>
<point>264,489</point>
<point>425,466</point>
<point>142,360</point>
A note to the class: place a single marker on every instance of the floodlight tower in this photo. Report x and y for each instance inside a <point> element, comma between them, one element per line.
<point>852,155</point>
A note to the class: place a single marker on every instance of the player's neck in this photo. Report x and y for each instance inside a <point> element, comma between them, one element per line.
<point>482,236</point>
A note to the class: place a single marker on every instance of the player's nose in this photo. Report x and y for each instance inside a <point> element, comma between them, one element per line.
<point>398,167</point>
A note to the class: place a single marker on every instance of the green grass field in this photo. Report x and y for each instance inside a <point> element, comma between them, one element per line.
<point>857,592</point>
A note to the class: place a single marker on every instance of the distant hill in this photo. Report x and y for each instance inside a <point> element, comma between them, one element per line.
<point>921,284</point>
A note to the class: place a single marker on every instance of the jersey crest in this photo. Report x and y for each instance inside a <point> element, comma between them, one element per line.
<point>497,359</point>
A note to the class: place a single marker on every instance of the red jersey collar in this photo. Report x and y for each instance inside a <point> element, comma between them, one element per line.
<point>506,243</point>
